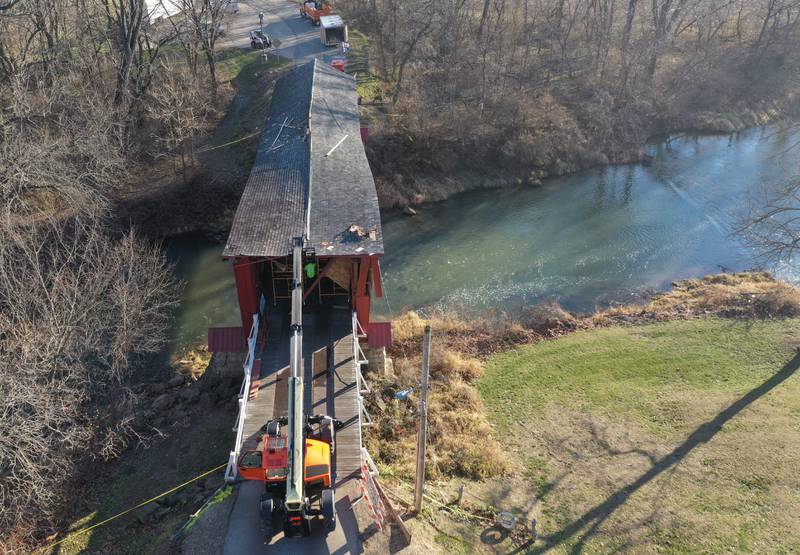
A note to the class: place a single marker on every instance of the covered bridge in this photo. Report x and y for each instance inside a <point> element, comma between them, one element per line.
<point>310,185</point>
<point>310,179</point>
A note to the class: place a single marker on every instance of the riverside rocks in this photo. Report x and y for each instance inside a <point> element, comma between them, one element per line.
<point>174,402</point>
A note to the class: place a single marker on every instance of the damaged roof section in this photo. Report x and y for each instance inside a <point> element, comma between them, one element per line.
<point>311,176</point>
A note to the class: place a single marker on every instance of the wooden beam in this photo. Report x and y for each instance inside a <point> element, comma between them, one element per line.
<point>363,271</point>
<point>393,514</point>
<point>377,280</point>
<point>316,281</point>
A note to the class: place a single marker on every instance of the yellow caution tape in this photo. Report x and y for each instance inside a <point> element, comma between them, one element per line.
<point>207,148</point>
<point>140,505</point>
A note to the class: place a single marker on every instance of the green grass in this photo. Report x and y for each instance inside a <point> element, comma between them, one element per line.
<point>453,544</point>
<point>368,85</point>
<point>633,371</point>
<point>371,89</point>
<point>678,437</point>
<point>244,66</point>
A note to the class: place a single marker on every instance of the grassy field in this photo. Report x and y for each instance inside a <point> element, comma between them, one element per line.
<point>679,437</point>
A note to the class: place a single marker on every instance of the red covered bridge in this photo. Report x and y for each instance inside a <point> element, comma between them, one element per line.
<point>311,179</point>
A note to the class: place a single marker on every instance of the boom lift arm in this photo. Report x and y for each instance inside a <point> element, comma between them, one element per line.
<point>295,495</point>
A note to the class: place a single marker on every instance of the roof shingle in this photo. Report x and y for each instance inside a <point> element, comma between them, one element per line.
<point>311,176</point>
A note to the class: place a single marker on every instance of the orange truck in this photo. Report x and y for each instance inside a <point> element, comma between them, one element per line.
<point>315,10</point>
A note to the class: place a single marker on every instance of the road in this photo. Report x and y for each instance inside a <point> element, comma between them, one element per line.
<point>293,37</point>
<point>245,529</point>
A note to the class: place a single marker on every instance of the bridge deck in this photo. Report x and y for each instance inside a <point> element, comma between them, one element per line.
<point>329,376</point>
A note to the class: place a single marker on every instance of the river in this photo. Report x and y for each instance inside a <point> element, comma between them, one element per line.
<point>586,240</point>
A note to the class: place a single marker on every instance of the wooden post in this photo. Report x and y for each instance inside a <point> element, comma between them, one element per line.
<point>423,421</point>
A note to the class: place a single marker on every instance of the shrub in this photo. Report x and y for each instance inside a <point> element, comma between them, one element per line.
<point>448,365</point>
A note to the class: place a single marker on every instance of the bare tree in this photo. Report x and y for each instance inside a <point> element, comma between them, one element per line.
<point>126,18</point>
<point>181,110</point>
<point>205,19</point>
<point>59,148</point>
<point>772,226</point>
<point>78,310</point>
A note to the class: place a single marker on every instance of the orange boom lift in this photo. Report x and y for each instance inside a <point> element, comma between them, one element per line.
<point>295,457</point>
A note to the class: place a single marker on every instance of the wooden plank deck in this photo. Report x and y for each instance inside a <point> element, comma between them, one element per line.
<point>272,379</point>
<point>329,379</point>
<point>345,408</point>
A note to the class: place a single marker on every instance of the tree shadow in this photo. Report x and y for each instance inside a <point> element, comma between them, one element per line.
<point>586,526</point>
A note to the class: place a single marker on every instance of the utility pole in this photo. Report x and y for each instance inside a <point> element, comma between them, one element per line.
<point>423,420</point>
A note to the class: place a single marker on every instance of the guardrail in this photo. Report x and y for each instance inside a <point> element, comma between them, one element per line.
<point>244,395</point>
<point>360,359</point>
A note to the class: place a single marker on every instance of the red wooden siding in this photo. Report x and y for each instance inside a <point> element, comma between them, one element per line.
<point>227,340</point>
<point>247,289</point>
<point>379,334</point>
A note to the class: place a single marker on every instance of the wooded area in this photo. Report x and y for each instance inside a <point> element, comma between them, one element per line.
<point>555,85</point>
<point>92,94</point>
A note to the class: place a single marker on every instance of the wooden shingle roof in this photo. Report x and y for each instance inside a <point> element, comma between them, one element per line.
<point>311,176</point>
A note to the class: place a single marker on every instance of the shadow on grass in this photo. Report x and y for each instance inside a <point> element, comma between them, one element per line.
<point>586,526</point>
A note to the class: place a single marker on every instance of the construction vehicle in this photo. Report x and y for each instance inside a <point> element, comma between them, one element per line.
<point>314,10</point>
<point>297,450</point>
<point>259,40</point>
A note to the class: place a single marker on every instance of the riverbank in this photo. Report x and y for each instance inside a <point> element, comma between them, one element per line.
<point>407,172</point>
<point>182,430</point>
<point>605,428</point>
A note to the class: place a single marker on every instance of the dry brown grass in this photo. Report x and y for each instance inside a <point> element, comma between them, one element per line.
<point>547,315</point>
<point>460,440</point>
<point>450,366</point>
<point>411,325</point>
<point>742,295</point>
<point>192,363</point>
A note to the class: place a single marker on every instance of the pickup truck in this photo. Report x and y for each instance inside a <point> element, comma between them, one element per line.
<point>315,10</point>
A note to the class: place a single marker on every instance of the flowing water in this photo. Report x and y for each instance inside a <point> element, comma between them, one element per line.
<point>585,240</point>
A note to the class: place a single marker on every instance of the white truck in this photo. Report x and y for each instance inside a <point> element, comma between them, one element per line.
<point>332,30</point>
